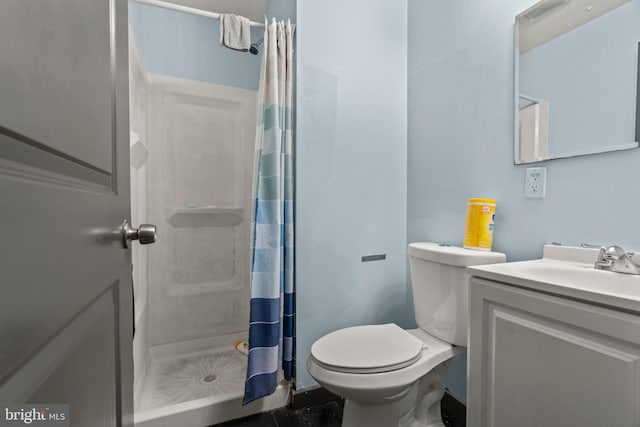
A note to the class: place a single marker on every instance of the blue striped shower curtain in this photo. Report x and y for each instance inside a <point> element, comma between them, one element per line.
<point>271,324</point>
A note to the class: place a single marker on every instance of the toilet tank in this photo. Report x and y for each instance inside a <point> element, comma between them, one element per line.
<point>441,287</point>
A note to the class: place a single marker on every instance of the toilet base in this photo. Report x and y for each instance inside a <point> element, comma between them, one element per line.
<point>417,406</point>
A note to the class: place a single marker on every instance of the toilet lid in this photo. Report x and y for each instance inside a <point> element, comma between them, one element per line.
<point>367,349</point>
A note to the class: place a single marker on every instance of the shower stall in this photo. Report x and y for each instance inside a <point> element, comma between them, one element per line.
<point>192,155</point>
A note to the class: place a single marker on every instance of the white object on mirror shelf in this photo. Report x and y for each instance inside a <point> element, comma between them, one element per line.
<point>534,132</point>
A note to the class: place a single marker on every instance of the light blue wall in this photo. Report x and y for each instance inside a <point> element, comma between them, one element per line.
<point>183,45</point>
<point>460,145</point>
<point>588,75</point>
<point>282,10</point>
<point>351,167</point>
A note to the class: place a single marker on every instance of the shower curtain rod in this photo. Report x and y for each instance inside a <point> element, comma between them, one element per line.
<point>185,9</point>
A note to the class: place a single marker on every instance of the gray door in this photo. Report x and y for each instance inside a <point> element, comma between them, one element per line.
<point>65,295</point>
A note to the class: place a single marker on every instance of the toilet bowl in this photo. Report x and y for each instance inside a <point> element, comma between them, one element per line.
<point>389,376</point>
<point>381,394</point>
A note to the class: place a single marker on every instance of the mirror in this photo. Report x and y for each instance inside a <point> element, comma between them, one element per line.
<point>576,74</point>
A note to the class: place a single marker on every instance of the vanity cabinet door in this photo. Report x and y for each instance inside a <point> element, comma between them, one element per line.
<point>540,360</point>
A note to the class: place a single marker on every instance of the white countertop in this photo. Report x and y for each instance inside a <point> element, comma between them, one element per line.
<point>568,271</point>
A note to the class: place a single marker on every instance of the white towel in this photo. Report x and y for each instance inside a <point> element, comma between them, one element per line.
<point>235,31</point>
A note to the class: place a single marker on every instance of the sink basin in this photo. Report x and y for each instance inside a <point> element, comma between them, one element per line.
<point>575,275</point>
<point>568,271</point>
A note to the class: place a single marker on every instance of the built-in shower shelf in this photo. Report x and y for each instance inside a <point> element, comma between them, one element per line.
<point>206,216</point>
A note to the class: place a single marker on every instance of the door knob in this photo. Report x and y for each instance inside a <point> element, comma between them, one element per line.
<point>145,234</point>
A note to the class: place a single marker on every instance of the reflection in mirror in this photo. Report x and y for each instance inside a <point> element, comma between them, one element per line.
<point>576,78</point>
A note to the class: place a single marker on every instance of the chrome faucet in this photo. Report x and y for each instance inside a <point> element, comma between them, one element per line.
<point>616,259</point>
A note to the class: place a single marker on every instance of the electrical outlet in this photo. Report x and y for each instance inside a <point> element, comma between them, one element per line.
<point>535,183</point>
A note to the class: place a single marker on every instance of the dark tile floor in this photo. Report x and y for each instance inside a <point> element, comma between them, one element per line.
<point>327,414</point>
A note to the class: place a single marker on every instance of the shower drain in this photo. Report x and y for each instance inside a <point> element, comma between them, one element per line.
<point>209,379</point>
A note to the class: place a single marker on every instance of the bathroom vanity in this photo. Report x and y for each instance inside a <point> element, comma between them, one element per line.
<point>553,342</point>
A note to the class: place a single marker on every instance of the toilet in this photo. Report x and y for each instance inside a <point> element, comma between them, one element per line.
<point>389,376</point>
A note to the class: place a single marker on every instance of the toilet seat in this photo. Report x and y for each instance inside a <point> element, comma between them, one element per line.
<point>372,387</point>
<point>367,349</point>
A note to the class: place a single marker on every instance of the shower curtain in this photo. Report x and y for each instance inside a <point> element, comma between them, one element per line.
<point>271,323</point>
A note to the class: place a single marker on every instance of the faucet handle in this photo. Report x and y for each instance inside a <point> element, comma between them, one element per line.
<point>602,255</point>
<point>610,253</point>
<point>614,252</point>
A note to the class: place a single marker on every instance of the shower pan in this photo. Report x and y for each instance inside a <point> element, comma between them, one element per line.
<point>192,159</point>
